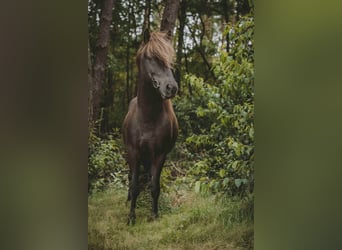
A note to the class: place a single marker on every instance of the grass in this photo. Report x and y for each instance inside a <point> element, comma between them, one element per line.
<point>187,221</point>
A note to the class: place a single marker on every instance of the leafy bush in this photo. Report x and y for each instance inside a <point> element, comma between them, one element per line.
<point>217,119</point>
<point>106,164</point>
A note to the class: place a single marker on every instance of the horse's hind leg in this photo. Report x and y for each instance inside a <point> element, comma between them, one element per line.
<point>134,191</point>
<point>129,186</point>
<point>155,183</point>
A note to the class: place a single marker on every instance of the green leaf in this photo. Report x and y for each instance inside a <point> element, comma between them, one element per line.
<point>238,182</point>
<point>237,151</point>
<point>197,186</point>
<point>234,165</point>
<point>225,181</point>
<point>203,178</point>
<point>251,132</point>
<point>222,172</point>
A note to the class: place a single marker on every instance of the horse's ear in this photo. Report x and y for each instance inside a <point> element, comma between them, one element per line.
<point>146,35</point>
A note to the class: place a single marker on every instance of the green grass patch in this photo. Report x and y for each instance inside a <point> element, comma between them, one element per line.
<point>187,221</point>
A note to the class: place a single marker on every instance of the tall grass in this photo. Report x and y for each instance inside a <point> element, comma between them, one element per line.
<point>187,221</point>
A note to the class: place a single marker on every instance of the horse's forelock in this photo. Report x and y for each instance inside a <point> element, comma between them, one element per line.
<point>160,47</point>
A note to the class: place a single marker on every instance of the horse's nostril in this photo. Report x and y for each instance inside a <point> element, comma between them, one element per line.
<point>168,86</point>
<point>174,90</point>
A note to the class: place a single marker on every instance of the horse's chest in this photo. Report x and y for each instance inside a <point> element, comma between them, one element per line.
<point>155,136</point>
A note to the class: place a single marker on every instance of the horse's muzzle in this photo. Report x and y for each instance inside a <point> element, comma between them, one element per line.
<point>171,90</point>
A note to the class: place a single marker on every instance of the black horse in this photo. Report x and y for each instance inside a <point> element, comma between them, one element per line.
<point>150,127</point>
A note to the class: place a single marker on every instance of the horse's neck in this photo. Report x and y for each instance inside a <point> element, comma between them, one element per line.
<point>149,102</point>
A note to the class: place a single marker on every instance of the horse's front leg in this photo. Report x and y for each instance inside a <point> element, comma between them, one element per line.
<point>156,169</point>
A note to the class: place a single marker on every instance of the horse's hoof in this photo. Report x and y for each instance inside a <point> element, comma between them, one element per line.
<point>131,221</point>
<point>153,217</point>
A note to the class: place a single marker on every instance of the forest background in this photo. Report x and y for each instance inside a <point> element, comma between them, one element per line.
<point>214,67</point>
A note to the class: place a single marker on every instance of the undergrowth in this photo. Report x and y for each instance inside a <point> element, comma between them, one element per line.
<point>187,221</point>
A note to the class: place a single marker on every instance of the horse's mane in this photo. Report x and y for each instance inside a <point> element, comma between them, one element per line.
<point>159,46</point>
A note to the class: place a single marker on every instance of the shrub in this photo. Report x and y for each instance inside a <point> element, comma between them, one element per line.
<point>106,164</point>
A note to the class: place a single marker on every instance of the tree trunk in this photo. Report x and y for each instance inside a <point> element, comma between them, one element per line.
<point>169,16</point>
<point>90,90</point>
<point>182,18</point>
<point>226,14</point>
<point>187,71</point>
<point>101,56</point>
<point>128,54</point>
<point>146,24</point>
<point>242,8</point>
<point>200,48</point>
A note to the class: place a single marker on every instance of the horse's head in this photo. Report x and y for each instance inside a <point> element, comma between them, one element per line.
<point>161,77</point>
<point>156,58</point>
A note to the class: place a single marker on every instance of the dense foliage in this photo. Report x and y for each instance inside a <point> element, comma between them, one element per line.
<point>217,119</point>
